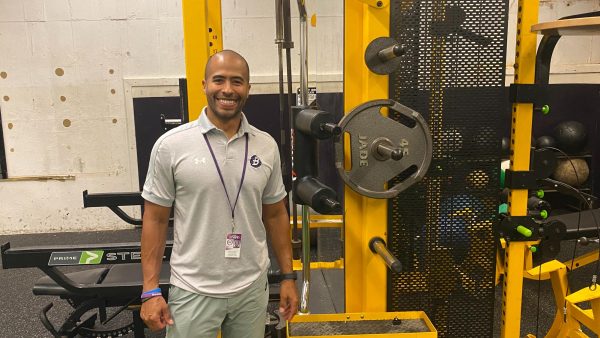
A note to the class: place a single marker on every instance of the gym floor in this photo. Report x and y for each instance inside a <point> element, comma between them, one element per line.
<point>20,308</point>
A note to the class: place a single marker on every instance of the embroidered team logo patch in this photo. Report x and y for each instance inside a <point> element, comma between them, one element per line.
<point>255,161</point>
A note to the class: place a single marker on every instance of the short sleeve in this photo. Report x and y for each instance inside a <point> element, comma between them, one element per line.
<point>159,187</point>
<point>274,190</point>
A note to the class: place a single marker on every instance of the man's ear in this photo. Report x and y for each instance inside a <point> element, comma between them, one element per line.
<point>204,85</point>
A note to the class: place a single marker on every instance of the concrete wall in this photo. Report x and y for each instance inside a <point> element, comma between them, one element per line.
<point>576,59</point>
<point>69,68</point>
<point>249,27</point>
<point>63,109</point>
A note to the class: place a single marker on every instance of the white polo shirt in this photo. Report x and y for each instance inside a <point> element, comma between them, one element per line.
<point>182,174</point>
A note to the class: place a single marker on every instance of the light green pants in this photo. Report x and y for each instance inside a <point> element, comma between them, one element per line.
<point>197,316</point>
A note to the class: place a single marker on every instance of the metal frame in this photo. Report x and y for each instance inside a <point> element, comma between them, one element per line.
<point>577,316</point>
<point>114,201</point>
<point>142,88</point>
<point>39,257</point>
<point>568,315</point>
<point>532,65</point>
<point>202,37</point>
<point>369,316</point>
<point>365,272</point>
<point>365,275</point>
<point>522,114</point>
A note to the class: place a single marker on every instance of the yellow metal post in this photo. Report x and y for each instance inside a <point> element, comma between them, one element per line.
<point>583,260</point>
<point>365,273</point>
<point>202,37</point>
<point>560,287</point>
<point>522,114</point>
<point>577,316</point>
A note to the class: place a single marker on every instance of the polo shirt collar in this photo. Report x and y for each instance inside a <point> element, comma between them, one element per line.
<point>205,125</point>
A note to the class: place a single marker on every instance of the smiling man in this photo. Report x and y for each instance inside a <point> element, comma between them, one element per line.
<point>227,87</point>
<point>223,178</point>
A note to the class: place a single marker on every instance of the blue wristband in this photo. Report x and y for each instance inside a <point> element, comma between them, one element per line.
<point>151,291</point>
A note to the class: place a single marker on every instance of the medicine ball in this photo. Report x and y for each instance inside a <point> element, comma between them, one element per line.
<point>570,136</point>
<point>545,141</point>
<point>566,169</point>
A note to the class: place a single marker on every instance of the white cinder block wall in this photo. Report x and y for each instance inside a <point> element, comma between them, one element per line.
<point>62,65</point>
<point>63,71</point>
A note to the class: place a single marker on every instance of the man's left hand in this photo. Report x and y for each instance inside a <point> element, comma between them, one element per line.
<point>288,303</point>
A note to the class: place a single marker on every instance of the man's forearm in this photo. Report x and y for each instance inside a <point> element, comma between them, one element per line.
<point>279,234</point>
<point>154,236</point>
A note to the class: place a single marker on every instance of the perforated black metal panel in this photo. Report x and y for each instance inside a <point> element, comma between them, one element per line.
<point>442,228</point>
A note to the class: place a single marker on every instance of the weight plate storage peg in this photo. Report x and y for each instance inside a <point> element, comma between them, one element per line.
<point>384,55</point>
<point>382,148</point>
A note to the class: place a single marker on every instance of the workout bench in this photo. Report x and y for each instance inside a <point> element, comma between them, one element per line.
<point>113,280</point>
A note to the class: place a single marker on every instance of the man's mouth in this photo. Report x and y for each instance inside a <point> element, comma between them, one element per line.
<point>227,103</point>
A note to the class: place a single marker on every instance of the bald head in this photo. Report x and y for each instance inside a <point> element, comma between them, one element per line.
<point>226,56</point>
<point>226,85</point>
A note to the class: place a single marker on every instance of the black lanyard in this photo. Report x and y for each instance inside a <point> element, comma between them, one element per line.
<point>223,181</point>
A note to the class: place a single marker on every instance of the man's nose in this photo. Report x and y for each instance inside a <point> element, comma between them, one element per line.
<point>227,88</point>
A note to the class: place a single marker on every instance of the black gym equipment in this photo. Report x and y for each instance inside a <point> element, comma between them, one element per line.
<point>570,136</point>
<point>99,288</point>
<point>383,55</point>
<point>311,125</point>
<point>112,282</point>
<point>383,148</point>
<point>545,141</point>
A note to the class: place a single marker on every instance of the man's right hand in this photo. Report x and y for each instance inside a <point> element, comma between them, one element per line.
<point>155,313</point>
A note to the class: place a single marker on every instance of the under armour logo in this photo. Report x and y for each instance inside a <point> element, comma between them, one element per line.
<point>198,161</point>
<point>255,161</point>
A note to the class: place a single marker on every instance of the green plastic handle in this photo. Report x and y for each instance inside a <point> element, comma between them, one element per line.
<point>524,231</point>
<point>540,193</point>
<point>533,248</point>
<point>503,208</point>
<point>544,214</point>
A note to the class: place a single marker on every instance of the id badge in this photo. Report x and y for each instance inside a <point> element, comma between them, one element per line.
<point>233,245</point>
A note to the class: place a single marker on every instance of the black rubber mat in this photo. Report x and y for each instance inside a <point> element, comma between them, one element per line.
<point>336,328</point>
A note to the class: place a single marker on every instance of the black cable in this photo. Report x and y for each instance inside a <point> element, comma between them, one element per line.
<point>594,282</point>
